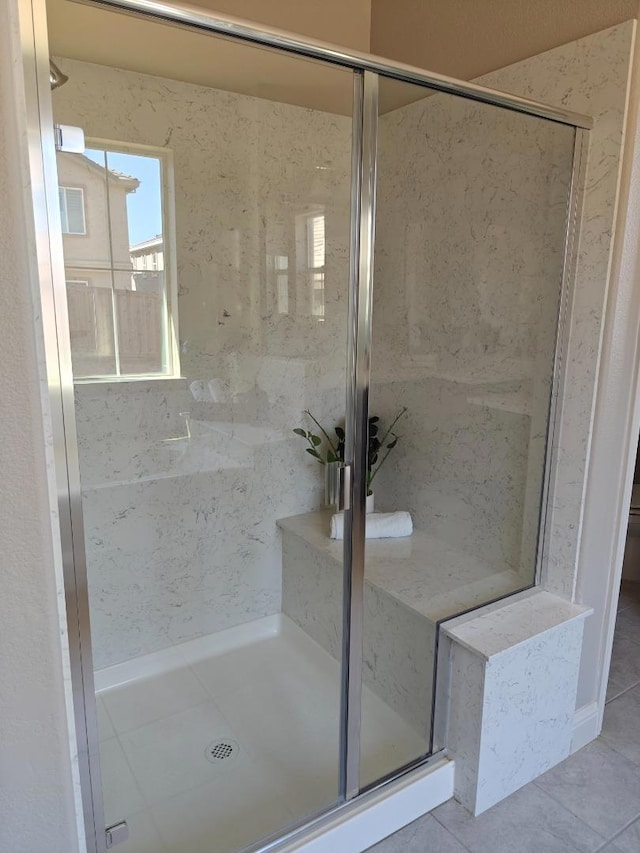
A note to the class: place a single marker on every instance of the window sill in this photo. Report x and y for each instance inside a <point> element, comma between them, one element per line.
<point>124,380</point>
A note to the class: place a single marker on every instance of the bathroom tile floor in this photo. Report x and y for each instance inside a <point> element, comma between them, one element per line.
<point>589,803</point>
<point>275,704</point>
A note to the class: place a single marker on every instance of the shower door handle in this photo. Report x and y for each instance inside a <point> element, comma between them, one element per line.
<point>344,488</point>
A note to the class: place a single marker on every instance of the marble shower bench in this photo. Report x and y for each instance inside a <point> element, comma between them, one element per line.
<point>411,584</point>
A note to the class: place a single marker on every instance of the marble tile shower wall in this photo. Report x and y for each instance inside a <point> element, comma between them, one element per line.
<point>433,322</point>
<point>470,239</point>
<point>180,532</point>
<point>590,76</point>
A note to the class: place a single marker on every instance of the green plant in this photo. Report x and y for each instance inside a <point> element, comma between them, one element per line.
<point>377,451</point>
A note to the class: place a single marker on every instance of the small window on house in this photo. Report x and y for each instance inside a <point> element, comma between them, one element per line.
<point>72,210</point>
<point>120,279</point>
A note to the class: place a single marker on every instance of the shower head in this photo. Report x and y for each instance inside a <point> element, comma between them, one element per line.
<point>56,77</point>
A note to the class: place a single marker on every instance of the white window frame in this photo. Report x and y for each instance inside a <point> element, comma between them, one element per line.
<point>170,313</point>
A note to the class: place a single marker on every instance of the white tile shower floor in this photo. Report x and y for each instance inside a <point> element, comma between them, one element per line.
<point>276,702</point>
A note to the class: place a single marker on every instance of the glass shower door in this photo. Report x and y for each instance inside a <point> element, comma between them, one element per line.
<point>221,329</point>
<point>206,234</point>
<point>471,218</point>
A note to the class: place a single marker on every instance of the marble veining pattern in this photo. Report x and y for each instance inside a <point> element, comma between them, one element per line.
<point>425,574</point>
<point>271,364</point>
<point>512,624</point>
<point>589,76</point>
<point>410,584</point>
<point>512,688</point>
<point>469,249</point>
<point>398,643</point>
<point>468,265</point>
<point>529,705</point>
<point>181,494</point>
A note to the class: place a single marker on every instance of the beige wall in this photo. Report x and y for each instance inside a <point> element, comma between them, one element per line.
<point>110,38</point>
<point>337,21</point>
<point>467,38</point>
<point>462,38</point>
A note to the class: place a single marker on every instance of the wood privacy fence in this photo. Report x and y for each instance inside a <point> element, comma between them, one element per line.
<point>93,335</point>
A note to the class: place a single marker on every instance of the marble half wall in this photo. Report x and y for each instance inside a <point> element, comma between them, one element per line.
<point>181,494</point>
<point>512,682</point>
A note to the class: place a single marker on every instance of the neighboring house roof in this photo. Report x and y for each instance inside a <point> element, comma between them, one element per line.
<point>147,245</point>
<point>129,183</point>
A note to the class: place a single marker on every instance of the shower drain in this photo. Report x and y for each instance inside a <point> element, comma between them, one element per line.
<point>226,750</point>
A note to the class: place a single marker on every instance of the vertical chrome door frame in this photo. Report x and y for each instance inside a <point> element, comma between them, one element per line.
<point>59,376</point>
<point>363,187</point>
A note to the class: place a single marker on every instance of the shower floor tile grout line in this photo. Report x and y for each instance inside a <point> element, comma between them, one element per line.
<point>612,839</point>
<point>622,693</point>
<point>606,840</point>
<point>452,834</point>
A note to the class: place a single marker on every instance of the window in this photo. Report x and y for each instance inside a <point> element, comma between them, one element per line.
<point>310,252</point>
<point>315,262</point>
<point>72,210</point>
<point>120,277</point>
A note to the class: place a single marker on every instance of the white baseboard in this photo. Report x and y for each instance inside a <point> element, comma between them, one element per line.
<point>586,726</point>
<point>376,815</point>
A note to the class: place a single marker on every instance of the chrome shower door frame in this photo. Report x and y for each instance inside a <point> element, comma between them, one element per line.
<point>59,378</point>
<point>367,70</point>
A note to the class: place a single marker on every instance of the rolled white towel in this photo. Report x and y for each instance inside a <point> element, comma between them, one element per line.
<point>379,525</point>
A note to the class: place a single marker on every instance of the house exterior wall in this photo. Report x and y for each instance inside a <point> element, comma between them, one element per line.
<point>106,224</point>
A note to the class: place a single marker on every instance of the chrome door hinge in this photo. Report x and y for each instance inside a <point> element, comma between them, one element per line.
<point>68,138</point>
<point>116,834</point>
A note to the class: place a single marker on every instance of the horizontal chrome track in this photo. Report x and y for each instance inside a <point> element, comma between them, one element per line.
<point>236,28</point>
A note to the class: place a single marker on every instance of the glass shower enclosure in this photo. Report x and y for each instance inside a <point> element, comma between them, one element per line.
<point>273,259</point>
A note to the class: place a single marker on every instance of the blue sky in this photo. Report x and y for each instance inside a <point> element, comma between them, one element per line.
<point>144,206</point>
